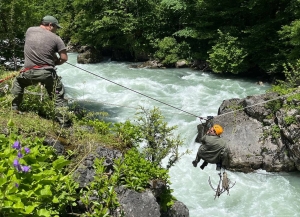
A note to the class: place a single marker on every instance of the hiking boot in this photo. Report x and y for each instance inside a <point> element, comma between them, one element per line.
<point>203,165</point>
<point>194,163</point>
<point>218,167</point>
<point>16,110</point>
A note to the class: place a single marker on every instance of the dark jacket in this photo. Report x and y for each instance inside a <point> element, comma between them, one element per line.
<point>213,150</point>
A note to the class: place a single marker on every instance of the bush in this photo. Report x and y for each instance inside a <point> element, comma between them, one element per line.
<point>127,134</point>
<point>227,55</point>
<point>169,51</point>
<point>159,138</point>
<point>137,171</point>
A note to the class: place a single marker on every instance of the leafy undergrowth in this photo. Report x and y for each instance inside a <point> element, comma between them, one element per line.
<point>35,181</point>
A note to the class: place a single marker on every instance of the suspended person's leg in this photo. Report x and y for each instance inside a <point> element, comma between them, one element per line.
<point>197,159</point>
<point>194,162</point>
<point>204,164</point>
<point>218,166</point>
<point>225,159</point>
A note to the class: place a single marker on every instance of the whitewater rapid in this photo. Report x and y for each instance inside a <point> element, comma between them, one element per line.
<point>114,87</point>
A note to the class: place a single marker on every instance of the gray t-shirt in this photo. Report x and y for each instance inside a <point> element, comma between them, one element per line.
<point>40,47</point>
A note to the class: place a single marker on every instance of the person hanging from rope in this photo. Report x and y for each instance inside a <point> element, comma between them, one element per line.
<point>40,51</point>
<point>213,149</point>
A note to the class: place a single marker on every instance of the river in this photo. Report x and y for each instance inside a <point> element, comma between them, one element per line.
<point>114,87</point>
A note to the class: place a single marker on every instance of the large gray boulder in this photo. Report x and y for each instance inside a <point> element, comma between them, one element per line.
<point>132,203</point>
<point>257,138</point>
<point>178,209</point>
<point>88,55</point>
<point>135,204</point>
<point>140,204</point>
<point>85,173</point>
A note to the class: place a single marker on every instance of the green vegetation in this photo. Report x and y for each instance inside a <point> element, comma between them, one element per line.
<point>227,55</point>
<point>287,101</point>
<point>158,137</point>
<point>274,106</point>
<point>275,131</point>
<point>35,181</point>
<point>137,171</point>
<point>290,120</point>
<point>32,180</point>
<point>169,51</point>
<point>234,37</point>
<point>103,188</point>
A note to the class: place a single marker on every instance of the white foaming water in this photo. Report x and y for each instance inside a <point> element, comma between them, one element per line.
<point>201,94</point>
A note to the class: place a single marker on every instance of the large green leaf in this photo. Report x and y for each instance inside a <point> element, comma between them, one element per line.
<point>13,198</point>
<point>44,212</point>
<point>29,209</point>
<point>18,205</point>
<point>60,163</point>
<point>46,191</point>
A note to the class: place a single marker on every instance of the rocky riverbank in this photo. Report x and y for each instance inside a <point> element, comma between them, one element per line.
<point>262,132</point>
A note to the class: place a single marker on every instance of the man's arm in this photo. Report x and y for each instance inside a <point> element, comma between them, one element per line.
<point>203,139</point>
<point>63,57</point>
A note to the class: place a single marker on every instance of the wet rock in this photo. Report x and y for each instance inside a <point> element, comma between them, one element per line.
<point>256,138</point>
<point>181,64</point>
<point>56,144</point>
<point>88,55</point>
<point>135,204</point>
<point>178,209</point>
<point>86,172</point>
<point>153,64</point>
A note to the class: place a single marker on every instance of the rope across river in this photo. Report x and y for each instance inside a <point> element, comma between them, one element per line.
<point>176,108</point>
<point>189,113</point>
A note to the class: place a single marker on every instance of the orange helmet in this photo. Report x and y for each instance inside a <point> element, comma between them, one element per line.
<point>218,129</point>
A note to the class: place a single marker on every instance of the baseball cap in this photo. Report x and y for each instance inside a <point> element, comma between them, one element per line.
<point>51,19</point>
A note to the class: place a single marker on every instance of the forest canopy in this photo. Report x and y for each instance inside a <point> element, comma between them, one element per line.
<point>233,36</point>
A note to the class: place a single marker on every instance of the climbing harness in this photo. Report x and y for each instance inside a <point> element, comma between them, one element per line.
<point>224,185</point>
<point>34,67</point>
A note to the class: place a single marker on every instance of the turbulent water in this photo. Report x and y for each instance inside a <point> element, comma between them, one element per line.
<point>119,90</point>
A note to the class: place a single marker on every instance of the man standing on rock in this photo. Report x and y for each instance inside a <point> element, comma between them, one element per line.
<point>212,149</point>
<point>41,46</point>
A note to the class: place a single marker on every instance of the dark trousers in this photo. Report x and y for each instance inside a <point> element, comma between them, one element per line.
<point>205,163</point>
<point>47,77</point>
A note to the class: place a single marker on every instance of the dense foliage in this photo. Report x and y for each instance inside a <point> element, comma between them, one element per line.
<point>232,36</point>
<point>36,181</point>
<point>32,179</point>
